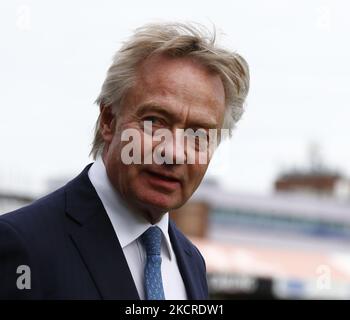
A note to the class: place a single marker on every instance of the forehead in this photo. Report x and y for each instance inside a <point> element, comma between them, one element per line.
<point>181,86</point>
<point>180,75</point>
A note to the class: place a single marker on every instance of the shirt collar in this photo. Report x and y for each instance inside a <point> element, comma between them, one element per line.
<point>128,225</point>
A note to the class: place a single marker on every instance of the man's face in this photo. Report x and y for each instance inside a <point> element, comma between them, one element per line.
<point>172,93</point>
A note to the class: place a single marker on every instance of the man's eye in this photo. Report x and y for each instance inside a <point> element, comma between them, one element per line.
<point>201,135</point>
<point>153,119</point>
<point>151,123</point>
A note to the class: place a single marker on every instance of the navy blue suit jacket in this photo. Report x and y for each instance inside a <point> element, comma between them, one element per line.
<point>69,243</point>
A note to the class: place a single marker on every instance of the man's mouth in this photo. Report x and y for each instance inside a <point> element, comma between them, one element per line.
<point>164,181</point>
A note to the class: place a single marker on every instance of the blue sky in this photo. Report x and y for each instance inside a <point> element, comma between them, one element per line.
<point>54,56</point>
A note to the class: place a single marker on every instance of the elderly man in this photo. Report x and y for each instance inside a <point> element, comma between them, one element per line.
<point>106,234</point>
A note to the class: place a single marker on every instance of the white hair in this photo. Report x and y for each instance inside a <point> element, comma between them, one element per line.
<point>175,40</point>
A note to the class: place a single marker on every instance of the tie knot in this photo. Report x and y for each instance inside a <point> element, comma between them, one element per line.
<point>151,240</point>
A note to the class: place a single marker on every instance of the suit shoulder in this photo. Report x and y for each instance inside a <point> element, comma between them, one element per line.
<point>39,212</point>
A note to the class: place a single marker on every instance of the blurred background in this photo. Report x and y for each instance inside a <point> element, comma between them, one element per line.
<point>272,217</point>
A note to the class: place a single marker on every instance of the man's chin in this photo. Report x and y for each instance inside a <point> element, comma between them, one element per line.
<point>160,202</point>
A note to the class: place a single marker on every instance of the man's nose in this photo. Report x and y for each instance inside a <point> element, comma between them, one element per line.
<point>173,151</point>
<point>179,152</point>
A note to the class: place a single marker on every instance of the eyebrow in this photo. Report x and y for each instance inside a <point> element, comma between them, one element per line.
<point>155,108</point>
<point>202,123</point>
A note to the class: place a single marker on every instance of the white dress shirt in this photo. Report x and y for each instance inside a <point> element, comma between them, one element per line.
<point>128,228</point>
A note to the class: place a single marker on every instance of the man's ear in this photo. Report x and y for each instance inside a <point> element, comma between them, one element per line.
<point>107,123</point>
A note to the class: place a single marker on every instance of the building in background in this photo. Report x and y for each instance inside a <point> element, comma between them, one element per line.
<point>285,245</point>
<point>314,179</point>
<point>321,183</point>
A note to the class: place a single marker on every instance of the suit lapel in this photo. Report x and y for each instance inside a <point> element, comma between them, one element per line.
<point>93,235</point>
<point>185,263</point>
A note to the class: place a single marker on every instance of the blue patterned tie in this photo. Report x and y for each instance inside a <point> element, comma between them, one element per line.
<point>151,240</point>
